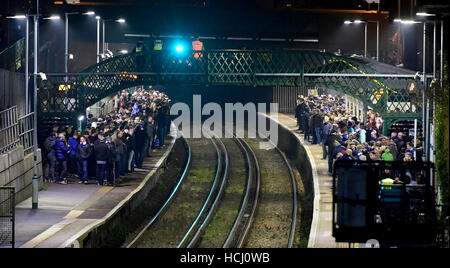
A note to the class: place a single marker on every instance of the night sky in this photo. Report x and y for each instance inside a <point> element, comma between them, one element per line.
<point>227,18</point>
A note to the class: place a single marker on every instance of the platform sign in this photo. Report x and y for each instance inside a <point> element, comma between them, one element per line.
<point>158,44</point>
<point>197,47</point>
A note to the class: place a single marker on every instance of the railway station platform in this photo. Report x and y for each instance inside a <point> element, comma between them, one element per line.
<point>321,227</point>
<point>69,213</point>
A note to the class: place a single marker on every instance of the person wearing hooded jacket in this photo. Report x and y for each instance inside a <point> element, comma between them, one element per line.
<point>51,158</point>
<point>61,151</point>
<point>101,151</point>
<point>83,152</point>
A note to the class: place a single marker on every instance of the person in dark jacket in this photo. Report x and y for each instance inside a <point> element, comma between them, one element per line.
<point>299,111</point>
<point>149,127</point>
<point>140,138</point>
<point>61,151</point>
<point>130,143</point>
<point>317,122</point>
<point>326,128</point>
<point>83,152</point>
<point>102,154</point>
<point>71,157</point>
<point>161,121</point>
<point>110,165</point>
<point>121,151</point>
<point>331,139</point>
<point>306,123</point>
<point>348,155</point>
<point>49,144</point>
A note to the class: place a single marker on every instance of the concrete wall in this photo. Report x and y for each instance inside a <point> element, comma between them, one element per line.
<point>16,169</point>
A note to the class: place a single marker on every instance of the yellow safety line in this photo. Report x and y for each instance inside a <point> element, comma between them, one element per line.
<point>78,210</point>
<point>68,219</point>
<point>47,233</point>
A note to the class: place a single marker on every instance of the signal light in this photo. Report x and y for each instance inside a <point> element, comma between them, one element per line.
<point>179,48</point>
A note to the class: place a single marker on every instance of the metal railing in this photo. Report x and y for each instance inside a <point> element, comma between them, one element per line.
<point>9,132</point>
<point>15,130</point>
<point>26,128</point>
<point>7,216</point>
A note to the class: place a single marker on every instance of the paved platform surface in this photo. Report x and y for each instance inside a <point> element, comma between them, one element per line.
<point>321,229</point>
<point>66,210</point>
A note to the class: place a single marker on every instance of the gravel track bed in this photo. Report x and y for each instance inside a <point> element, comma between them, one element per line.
<point>168,231</point>
<point>272,222</point>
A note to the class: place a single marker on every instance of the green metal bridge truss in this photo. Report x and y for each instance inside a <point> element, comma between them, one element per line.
<point>385,93</point>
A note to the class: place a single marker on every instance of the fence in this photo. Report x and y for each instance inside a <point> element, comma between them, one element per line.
<point>26,131</point>
<point>15,130</point>
<point>286,96</point>
<point>7,216</point>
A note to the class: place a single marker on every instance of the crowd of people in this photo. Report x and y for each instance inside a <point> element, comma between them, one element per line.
<point>112,145</point>
<point>324,120</point>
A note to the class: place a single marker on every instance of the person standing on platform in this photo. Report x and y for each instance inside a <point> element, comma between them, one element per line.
<point>50,167</point>
<point>121,151</point>
<point>149,127</point>
<point>83,153</point>
<point>299,112</point>
<point>326,127</point>
<point>61,151</point>
<point>161,120</point>
<point>317,123</point>
<point>131,148</point>
<point>111,162</point>
<point>140,140</point>
<point>101,152</point>
<point>72,157</point>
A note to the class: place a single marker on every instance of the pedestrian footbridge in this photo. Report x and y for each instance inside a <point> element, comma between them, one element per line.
<point>390,91</point>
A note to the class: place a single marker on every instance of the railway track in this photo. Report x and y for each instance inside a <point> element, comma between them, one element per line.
<point>274,223</point>
<point>190,201</point>
<point>223,199</point>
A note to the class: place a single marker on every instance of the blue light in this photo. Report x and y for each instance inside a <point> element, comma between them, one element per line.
<point>179,48</point>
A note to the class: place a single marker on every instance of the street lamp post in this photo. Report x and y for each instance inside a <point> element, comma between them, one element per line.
<point>35,147</point>
<point>104,32</point>
<point>98,38</point>
<point>365,34</point>
<point>27,47</point>
<point>66,51</point>
<point>27,106</point>
<point>425,101</point>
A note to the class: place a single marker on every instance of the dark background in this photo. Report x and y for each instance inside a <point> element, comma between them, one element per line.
<point>317,19</point>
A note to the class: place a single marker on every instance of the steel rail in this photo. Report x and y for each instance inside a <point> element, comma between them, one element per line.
<point>237,222</point>
<point>162,209</point>
<point>216,199</point>
<point>257,191</point>
<point>294,196</point>
<point>213,187</point>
